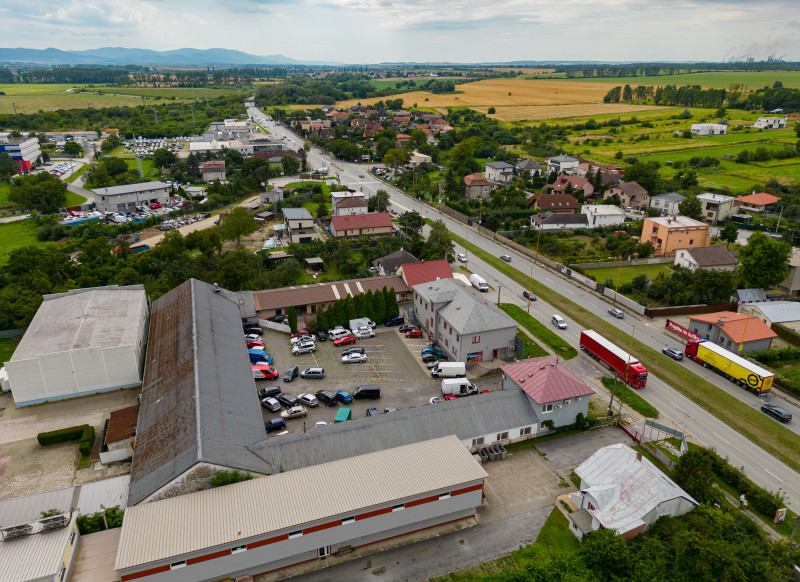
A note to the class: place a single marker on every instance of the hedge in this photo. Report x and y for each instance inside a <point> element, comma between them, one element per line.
<point>786,334</point>
<point>83,433</point>
<point>93,522</point>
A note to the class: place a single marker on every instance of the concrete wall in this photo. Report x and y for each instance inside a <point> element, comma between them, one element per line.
<point>719,337</point>
<point>487,341</point>
<point>126,202</point>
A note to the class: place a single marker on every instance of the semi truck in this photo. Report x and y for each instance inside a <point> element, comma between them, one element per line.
<point>746,374</point>
<point>617,359</point>
<point>479,283</point>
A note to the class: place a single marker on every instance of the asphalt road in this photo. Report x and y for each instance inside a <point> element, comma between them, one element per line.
<point>760,466</point>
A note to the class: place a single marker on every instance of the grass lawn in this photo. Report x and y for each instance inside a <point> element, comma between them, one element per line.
<point>30,98</point>
<point>7,347</point>
<point>14,235</point>
<point>169,93</point>
<point>754,425</point>
<point>631,398</point>
<point>627,274</point>
<point>532,349</point>
<point>74,199</point>
<point>5,188</point>
<point>541,331</point>
<point>312,207</point>
<point>77,174</point>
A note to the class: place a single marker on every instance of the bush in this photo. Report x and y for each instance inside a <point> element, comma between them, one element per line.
<point>83,433</point>
<point>228,477</point>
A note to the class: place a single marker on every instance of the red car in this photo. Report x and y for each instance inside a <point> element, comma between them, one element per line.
<point>256,345</point>
<point>344,340</point>
<point>449,397</point>
<point>414,333</point>
<point>155,206</point>
<point>300,332</point>
<point>264,372</point>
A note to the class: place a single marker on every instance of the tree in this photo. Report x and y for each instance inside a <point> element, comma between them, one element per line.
<point>43,192</point>
<point>764,261</point>
<point>322,210</point>
<point>291,314</point>
<point>694,473</point>
<point>393,158</point>
<point>235,270</point>
<point>645,174</point>
<point>606,554</point>
<point>691,207</point>
<point>7,166</point>
<point>627,93</point>
<point>73,148</point>
<point>440,245</point>
<point>491,111</point>
<point>291,165</point>
<point>411,221</point>
<point>379,202</point>
<point>237,224</point>
<point>162,158</point>
<point>729,233</point>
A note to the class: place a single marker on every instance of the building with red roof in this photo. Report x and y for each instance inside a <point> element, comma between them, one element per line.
<point>416,273</point>
<point>756,202</point>
<point>729,329</point>
<point>370,224</point>
<point>556,394</point>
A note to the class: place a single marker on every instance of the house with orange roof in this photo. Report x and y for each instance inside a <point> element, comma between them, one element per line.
<point>558,203</point>
<point>563,183</point>
<point>402,139</point>
<point>728,329</point>
<point>477,186</point>
<point>756,202</point>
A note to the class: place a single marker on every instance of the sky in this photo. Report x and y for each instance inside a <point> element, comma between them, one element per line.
<point>373,31</point>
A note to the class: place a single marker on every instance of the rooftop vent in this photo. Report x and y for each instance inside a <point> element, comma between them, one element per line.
<point>216,288</point>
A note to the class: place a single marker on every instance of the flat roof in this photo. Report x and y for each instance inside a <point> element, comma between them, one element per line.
<point>131,188</point>
<point>206,519</point>
<point>677,222</point>
<point>96,317</point>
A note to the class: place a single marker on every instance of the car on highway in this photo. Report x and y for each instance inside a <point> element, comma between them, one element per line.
<point>414,333</point>
<point>528,295</point>
<point>506,258</point>
<point>462,257</point>
<point>776,411</point>
<point>354,358</point>
<point>308,399</point>
<point>618,313</point>
<point>294,412</point>
<point>344,340</point>
<point>673,353</point>
<point>559,322</point>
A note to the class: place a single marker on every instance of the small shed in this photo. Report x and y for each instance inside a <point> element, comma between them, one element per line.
<point>314,264</point>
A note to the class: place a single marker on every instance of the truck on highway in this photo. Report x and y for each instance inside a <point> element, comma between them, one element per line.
<point>449,370</point>
<point>479,283</point>
<point>458,387</point>
<point>746,374</point>
<point>627,367</point>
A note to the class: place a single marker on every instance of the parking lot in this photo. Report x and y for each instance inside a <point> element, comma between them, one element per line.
<point>393,364</point>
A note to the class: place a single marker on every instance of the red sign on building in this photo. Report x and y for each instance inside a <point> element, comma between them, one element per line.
<point>677,328</point>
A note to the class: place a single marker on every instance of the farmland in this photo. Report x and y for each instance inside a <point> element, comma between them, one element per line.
<point>748,80</point>
<point>523,113</point>
<point>46,97</point>
<point>167,92</point>
<point>14,235</point>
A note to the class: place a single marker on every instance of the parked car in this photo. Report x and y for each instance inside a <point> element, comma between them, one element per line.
<point>274,424</point>
<point>292,372</point>
<point>618,313</point>
<point>431,357</point>
<point>294,412</point>
<point>327,397</point>
<point>253,329</point>
<point>396,320</point>
<point>530,296</point>
<point>435,400</point>
<point>313,373</point>
<point>253,337</point>
<point>343,396</point>
<point>337,329</point>
<point>432,350</point>
<point>300,332</point>
<point>407,327</point>
<point>287,400</point>
<point>320,424</point>
<point>506,258</point>
<point>308,399</point>
<point>271,404</point>
<point>414,333</point>
<point>462,257</point>
<point>776,412</point>
<point>389,409</point>
<point>269,392</point>
<point>344,340</point>
<point>304,348</point>
<point>264,371</point>
<point>354,358</point>
<point>279,319</point>
<point>356,350</point>
<point>559,322</point>
<point>372,412</point>
<point>302,338</point>
<point>256,344</point>
<point>673,353</point>
<point>363,332</point>
<point>322,335</point>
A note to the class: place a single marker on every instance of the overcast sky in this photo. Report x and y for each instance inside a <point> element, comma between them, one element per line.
<point>370,31</point>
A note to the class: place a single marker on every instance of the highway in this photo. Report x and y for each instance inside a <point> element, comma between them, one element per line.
<point>760,466</point>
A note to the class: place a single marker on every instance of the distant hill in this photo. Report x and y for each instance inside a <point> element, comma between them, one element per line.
<point>130,56</point>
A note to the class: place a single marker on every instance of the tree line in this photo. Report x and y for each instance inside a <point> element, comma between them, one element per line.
<point>377,306</point>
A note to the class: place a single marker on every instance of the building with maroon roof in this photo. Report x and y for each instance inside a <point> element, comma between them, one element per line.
<point>370,224</point>
<point>416,273</point>
<point>563,183</point>
<point>477,186</point>
<point>558,203</point>
<point>556,394</point>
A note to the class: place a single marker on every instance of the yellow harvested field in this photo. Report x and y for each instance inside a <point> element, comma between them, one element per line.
<point>525,70</point>
<point>533,113</point>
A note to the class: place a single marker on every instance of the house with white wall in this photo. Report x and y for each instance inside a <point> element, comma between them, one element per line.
<point>603,215</point>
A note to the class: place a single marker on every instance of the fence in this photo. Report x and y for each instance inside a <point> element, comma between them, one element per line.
<point>9,333</point>
<point>632,263</point>
<point>688,310</point>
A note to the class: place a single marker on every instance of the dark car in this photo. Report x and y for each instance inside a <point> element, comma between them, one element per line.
<point>269,392</point>
<point>292,372</point>
<point>287,400</point>
<point>673,353</point>
<point>530,296</point>
<point>279,319</point>
<point>372,412</point>
<point>776,412</point>
<point>618,313</point>
<point>253,329</point>
<point>327,397</point>
<point>432,350</point>
<point>274,424</point>
<point>313,373</point>
<point>431,357</point>
<point>349,351</point>
<point>396,320</point>
<point>408,327</point>
<point>322,335</point>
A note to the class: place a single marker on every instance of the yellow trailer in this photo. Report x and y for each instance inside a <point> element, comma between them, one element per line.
<point>735,368</point>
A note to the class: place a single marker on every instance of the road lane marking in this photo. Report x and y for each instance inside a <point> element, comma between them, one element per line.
<point>775,476</point>
<point>679,408</point>
<point>720,438</point>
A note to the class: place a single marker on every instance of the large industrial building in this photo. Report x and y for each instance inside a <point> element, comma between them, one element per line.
<point>81,342</point>
<point>130,196</point>
<point>248,529</point>
<point>23,151</point>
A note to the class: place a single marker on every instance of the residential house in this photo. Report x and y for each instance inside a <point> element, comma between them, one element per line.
<point>567,184</point>
<point>758,203</point>
<point>422,272</point>
<point>670,233</point>
<point>791,285</point>
<point>531,166</point>
<point>300,225</point>
<point>389,264</point>
<point>603,215</point>
<point>630,195</point>
<point>213,170</point>
<point>558,203</point>
<point>468,329</point>
<point>477,186</point>
<point>271,196</point>
<point>554,221</point>
<point>417,158</point>
<point>717,207</point>
<point>771,312</point>
<point>501,172</point>
<point>770,123</point>
<point>793,117</point>
<point>667,203</point>
<point>709,129</point>
<point>730,329</point>
<point>623,491</point>
<point>609,178</point>
<point>370,224</point>
<point>716,258</point>
<point>562,164</point>
<point>130,196</point>
<point>350,206</point>
<point>557,396</point>
<point>339,197</point>
<point>402,140</point>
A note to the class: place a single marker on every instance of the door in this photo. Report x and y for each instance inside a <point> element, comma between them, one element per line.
<point>324,552</point>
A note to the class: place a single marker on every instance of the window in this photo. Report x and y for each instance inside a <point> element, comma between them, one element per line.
<point>691,241</point>
<point>400,507</point>
<point>547,408</point>
<point>729,343</point>
<point>446,344</point>
<point>440,336</point>
<point>348,520</point>
<point>524,431</point>
<point>458,338</point>
<point>477,441</point>
<point>476,339</point>
<point>501,436</point>
<point>566,402</point>
<point>296,534</point>
<point>444,496</point>
<point>176,565</point>
<point>238,549</point>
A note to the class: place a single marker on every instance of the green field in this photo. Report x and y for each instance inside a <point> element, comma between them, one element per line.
<point>14,235</point>
<point>170,92</point>
<point>626,274</point>
<point>749,80</point>
<point>390,83</point>
<point>46,97</point>
<point>74,199</point>
<point>5,188</point>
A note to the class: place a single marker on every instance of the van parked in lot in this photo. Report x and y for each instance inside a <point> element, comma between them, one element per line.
<point>449,370</point>
<point>367,391</point>
<point>458,387</point>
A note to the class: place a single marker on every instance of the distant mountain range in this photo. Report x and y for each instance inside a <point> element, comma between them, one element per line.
<point>128,56</point>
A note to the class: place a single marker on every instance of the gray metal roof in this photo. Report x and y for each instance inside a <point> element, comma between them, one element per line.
<point>96,317</point>
<point>131,188</point>
<point>468,315</point>
<point>499,165</point>
<point>439,290</point>
<point>393,261</point>
<point>780,311</point>
<point>466,418</point>
<point>749,296</point>
<point>671,196</point>
<point>296,214</point>
<point>199,401</point>
<point>563,158</point>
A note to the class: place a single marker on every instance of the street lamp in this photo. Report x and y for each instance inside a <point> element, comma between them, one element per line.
<point>627,368</point>
<point>741,343</point>
<point>499,287</point>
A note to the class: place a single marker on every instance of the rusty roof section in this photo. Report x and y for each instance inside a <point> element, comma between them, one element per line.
<point>122,424</point>
<point>325,292</point>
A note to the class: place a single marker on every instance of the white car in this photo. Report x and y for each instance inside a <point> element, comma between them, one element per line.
<point>304,348</point>
<point>271,404</point>
<point>320,424</point>
<point>559,322</point>
<point>354,358</point>
<point>362,332</point>
<point>252,337</point>
<point>308,399</point>
<point>302,338</point>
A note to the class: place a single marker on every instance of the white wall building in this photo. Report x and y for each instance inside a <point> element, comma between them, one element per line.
<point>501,172</point>
<point>709,129</point>
<point>770,123</point>
<point>562,164</point>
<point>603,214</point>
<point>717,207</point>
<point>128,197</point>
<point>667,203</point>
<point>81,342</point>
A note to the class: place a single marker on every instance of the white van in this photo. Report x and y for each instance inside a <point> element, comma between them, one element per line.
<point>458,387</point>
<point>559,322</point>
<point>479,283</point>
<point>449,370</point>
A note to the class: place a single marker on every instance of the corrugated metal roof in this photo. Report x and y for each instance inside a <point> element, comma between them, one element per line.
<point>176,526</point>
<point>324,292</point>
<point>29,508</point>
<point>466,418</point>
<point>626,488</point>
<point>670,196</point>
<point>131,188</point>
<point>393,261</point>
<point>96,317</point>
<point>199,401</point>
<point>122,424</point>
<point>296,214</point>
<point>34,557</point>
<point>468,315</point>
<point>749,295</point>
<point>780,311</point>
<point>439,290</point>
<point>712,256</point>
<point>105,493</point>
<point>545,381</point>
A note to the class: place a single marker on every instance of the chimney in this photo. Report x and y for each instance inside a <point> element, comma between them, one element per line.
<point>639,457</point>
